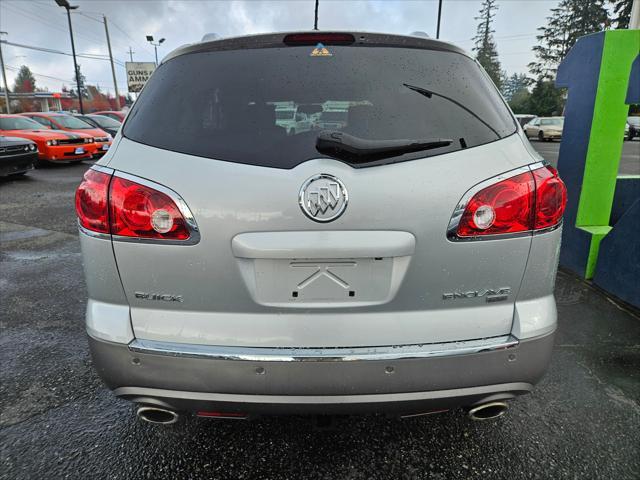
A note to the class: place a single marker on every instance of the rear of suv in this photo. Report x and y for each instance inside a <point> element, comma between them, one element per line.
<point>402,261</point>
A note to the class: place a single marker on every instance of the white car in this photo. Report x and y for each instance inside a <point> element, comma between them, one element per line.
<point>545,128</point>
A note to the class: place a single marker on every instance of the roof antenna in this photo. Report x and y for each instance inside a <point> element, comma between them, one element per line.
<point>315,22</point>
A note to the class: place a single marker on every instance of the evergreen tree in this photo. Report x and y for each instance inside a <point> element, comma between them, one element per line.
<point>621,12</point>
<point>83,84</point>
<point>25,82</point>
<point>513,84</point>
<point>485,46</point>
<point>570,20</point>
<point>545,100</point>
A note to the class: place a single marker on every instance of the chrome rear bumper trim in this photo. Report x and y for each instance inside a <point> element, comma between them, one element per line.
<point>342,354</point>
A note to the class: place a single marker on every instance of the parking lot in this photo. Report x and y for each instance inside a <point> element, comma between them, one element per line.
<point>629,160</point>
<point>58,420</point>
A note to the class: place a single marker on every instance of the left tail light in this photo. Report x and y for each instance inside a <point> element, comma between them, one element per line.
<point>92,201</point>
<point>532,200</point>
<point>109,203</point>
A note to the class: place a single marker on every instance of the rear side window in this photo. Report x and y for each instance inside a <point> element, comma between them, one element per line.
<point>267,106</point>
<point>43,121</point>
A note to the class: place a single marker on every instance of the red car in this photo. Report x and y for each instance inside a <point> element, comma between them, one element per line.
<point>69,123</point>
<point>119,116</point>
<point>53,145</point>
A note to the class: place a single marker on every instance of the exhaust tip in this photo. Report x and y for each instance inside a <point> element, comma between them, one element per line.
<point>488,411</point>
<point>159,416</point>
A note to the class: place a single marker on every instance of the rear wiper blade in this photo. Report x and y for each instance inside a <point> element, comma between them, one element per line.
<point>430,93</point>
<point>346,147</point>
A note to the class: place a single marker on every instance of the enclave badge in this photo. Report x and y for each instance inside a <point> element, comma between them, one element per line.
<point>323,198</point>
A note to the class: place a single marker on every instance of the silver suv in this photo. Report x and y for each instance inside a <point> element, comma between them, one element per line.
<point>401,262</point>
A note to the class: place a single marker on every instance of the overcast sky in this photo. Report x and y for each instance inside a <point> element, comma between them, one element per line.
<point>42,23</point>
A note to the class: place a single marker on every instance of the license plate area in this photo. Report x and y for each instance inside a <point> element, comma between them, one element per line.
<point>79,151</point>
<point>324,282</point>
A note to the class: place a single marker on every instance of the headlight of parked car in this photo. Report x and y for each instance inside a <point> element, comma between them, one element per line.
<point>30,148</point>
<point>88,140</point>
<point>52,142</point>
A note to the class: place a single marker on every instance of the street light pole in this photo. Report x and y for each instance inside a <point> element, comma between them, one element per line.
<point>113,70</point>
<point>4,78</point>
<point>68,8</point>
<point>155,45</point>
<point>439,16</point>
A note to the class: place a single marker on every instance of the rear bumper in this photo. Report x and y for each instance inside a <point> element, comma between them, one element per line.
<point>289,384</point>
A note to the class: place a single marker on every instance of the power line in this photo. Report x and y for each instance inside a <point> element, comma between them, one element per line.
<point>17,69</point>
<point>66,80</point>
<point>33,16</point>
<point>46,21</point>
<point>91,56</point>
<point>129,37</point>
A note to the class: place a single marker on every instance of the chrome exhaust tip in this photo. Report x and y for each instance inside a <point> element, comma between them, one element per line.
<point>488,411</point>
<point>158,416</point>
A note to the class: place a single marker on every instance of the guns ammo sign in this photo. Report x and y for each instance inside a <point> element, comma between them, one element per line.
<point>137,74</point>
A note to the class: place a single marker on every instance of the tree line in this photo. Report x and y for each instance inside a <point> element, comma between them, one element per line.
<point>94,99</point>
<point>535,93</point>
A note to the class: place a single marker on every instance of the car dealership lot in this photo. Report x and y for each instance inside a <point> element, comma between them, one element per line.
<point>58,421</point>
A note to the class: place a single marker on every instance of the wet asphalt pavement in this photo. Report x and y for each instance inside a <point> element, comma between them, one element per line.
<point>58,421</point>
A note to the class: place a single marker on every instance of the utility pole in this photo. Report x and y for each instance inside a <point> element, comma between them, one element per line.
<point>131,52</point>
<point>315,20</point>
<point>68,8</point>
<point>113,70</point>
<point>439,16</point>
<point>4,78</point>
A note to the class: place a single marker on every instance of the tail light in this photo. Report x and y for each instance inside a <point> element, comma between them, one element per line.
<point>122,207</point>
<point>529,201</point>
<point>91,201</point>
<point>551,197</point>
<point>140,211</point>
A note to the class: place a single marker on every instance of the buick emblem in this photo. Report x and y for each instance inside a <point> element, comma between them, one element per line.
<point>323,198</point>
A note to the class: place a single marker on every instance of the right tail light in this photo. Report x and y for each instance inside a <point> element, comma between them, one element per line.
<point>529,201</point>
<point>109,204</point>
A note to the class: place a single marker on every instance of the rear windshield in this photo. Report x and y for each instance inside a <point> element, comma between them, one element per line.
<point>227,105</point>
<point>105,121</point>
<point>67,121</point>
